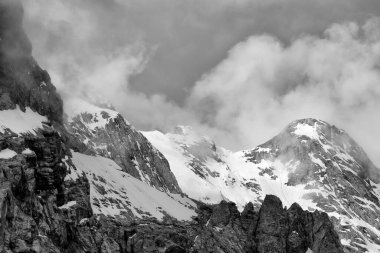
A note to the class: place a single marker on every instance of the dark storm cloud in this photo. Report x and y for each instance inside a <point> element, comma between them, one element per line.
<point>163,62</point>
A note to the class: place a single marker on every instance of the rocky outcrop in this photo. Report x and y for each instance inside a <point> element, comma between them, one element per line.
<point>22,81</point>
<point>294,230</point>
<point>33,196</point>
<point>270,229</point>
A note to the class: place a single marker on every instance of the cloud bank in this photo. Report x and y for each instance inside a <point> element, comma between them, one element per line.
<point>263,85</point>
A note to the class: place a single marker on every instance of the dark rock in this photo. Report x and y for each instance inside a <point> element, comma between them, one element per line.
<point>294,230</point>
<point>22,81</point>
<point>272,227</point>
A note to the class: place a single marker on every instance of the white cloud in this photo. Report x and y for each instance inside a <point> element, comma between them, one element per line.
<point>263,85</point>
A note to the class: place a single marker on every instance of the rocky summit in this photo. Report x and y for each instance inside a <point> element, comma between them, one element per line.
<point>106,133</point>
<point>85,180</point>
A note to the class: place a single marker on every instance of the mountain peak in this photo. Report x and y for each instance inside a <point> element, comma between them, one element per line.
<point>186,135</point>
<point>91,115</point>
<point>313,128</point>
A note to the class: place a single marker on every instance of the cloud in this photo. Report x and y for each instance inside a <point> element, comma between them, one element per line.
<point>190,36</point>
<point>263,85</point>
<point>163,63</point>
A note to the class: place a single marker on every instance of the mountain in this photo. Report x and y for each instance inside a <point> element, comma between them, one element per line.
<point>106,133</point>
<point>310,162</point>
<point>84,180</point>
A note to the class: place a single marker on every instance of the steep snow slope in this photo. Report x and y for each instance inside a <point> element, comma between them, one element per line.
<point>312,163</point>
<point>18,121</point>
<point>201,169</point>
<point>116,193</point>
<point>106,133</point>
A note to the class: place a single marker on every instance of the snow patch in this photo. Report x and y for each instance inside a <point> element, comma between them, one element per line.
<point>20,122</point>
<point>306,130</point>
<point>27,152</point>
<point>68,205</point>
<point>7,154</point>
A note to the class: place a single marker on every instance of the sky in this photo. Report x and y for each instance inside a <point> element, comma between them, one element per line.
<point>236,70</point>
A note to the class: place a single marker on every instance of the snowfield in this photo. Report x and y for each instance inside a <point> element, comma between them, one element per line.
<point>20,122</point>
<point>229,177</point>
<point>116,193</point>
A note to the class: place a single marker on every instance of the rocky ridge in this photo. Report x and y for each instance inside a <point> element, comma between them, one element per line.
<point>221,228</point>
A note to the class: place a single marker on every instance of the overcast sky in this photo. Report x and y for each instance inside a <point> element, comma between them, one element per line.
<point>237,70</point>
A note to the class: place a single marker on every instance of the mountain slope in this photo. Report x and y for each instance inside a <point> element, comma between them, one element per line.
<point>195,160</point>
<point>310,162</point>
<point>106,133</point>
<point>116,193</point>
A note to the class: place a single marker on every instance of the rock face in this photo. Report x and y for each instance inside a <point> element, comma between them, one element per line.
<point>32,169</point>
<point>271,229</point>
<point>32,190</point>
<point>294,230</point>
<point>22,81</point>
<point>106,133</point>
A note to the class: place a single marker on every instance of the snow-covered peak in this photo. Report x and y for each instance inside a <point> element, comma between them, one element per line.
<point>186,135</point>
<point>106,133</point>
<point>91,115</point>
<point>310,137</point>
